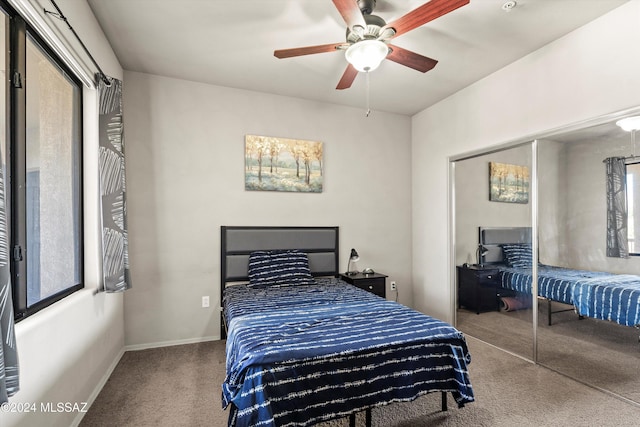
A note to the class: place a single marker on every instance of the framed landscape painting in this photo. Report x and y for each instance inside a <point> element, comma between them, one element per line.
<point>281,164</point>
<point>508,183</point>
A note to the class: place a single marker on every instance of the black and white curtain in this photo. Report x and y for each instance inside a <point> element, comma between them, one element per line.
<point>115,248</point>
<point>617,246</point>
<point>9,384</point>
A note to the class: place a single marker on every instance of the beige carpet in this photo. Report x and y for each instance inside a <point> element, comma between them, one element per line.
<point>180,386</point>
<point>603,354</point>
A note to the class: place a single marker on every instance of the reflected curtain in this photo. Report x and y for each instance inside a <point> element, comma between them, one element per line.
<point>617,207</point>
<point>9,380</point>
<point>115,247</point>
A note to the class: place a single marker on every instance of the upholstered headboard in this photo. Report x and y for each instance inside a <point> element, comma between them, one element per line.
<point>492,237</point>
<point>236,243</point>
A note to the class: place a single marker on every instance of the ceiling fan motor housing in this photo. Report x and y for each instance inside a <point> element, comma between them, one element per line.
<point>374,24</point>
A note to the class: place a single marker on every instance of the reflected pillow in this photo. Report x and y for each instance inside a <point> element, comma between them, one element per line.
<point>279,268</point>
<point>517,255</point>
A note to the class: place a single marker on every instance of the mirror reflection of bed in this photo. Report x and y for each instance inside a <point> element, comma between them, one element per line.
<point>575,276</point>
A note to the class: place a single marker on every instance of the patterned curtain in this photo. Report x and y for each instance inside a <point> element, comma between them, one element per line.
<point>115,247</point>
<point>617,208</point>
<point>9,384</point>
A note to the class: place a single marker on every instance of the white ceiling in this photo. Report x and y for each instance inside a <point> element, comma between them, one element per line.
<point>231,43</point>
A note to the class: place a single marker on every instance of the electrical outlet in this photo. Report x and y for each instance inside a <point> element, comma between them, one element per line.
<point>205,302</point>
<point>393,286</point>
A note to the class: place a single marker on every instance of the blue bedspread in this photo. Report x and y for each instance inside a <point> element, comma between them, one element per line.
<point>554,283</point>
<point>615,298</point>
<point>596,294</point>
<point>300,355</point>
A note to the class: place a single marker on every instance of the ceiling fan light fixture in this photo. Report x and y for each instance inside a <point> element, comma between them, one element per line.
<point>629,124</point>
<point>366,55</point>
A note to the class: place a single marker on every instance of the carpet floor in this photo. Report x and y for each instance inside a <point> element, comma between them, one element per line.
<point>597,352</point>
<point>181,386</point>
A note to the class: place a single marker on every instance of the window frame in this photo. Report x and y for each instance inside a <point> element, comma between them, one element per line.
<point>635,211</point>
<point>18,32</point>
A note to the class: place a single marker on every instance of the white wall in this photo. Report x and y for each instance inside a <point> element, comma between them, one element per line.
<point>585,230</point>
<point>588,73</point>
<point>66,351</point>
<point>185,171</point>
<point>552,207</point>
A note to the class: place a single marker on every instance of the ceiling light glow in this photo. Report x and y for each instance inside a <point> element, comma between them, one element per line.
<point>366,55</point>
<point>629,124</point>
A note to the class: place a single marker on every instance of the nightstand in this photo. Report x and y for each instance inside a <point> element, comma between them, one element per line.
<point>375,283</point>
<point>478,288</point>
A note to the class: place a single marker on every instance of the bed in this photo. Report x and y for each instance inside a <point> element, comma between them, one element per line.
<point>595,294</point>
<point>304,350</point>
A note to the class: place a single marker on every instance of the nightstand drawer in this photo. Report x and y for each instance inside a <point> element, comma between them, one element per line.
<point>374,283</point>
<point>375,286</point>
<point>481,277</point>
<point>487,277</point>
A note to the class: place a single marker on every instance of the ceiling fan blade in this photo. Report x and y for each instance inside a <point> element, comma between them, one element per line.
<point>423,14</point>
<point>411,59</point>
<point>308,50</point>
<point>347,78</point>
<point>350,12</point>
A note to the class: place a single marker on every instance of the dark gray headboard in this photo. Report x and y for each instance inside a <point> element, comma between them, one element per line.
<point>492,237</point>
<point>236,243</point>
<point>320,243</point>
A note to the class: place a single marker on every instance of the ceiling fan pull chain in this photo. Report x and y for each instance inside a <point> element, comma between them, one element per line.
<point>368,109</point>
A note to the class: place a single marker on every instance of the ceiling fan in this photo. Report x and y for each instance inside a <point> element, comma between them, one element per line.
<point>368,37</point>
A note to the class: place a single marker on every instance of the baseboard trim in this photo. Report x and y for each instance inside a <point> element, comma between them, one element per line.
<point>136,347</point>
<point>99,386</point>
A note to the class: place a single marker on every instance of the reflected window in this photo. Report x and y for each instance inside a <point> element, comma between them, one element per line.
<point>633,208</point>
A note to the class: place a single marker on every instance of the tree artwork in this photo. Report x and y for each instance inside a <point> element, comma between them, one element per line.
<point>508,183</point>
<point>281,164</point>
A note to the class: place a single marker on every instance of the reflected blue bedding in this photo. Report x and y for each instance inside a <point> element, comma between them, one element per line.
<point>600,295</point>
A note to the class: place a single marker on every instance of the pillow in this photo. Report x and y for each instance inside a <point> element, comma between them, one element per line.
<point>517,255</point>
<point>277,268</point>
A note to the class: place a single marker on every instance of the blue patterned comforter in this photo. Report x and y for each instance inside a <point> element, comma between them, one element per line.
<point>554,283</point>
<point>615,298</point>
<point>299,355</point>
<point>596,294</point>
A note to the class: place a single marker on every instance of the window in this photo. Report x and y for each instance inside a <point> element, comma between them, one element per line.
<point>633,208</point>
<point>44,170</point>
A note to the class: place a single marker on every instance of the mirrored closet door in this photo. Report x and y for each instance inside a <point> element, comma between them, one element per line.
<point>574,244</point>
<point>588,221</point>
<point>493,207</point>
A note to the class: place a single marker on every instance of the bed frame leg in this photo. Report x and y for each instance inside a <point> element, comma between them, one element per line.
<point>549,311</point>
<point>444,401</point>
<point>352,418</point>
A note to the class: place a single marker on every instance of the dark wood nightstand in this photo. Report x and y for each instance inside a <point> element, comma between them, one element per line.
<point>375,283</point>
<point>478,288</point>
